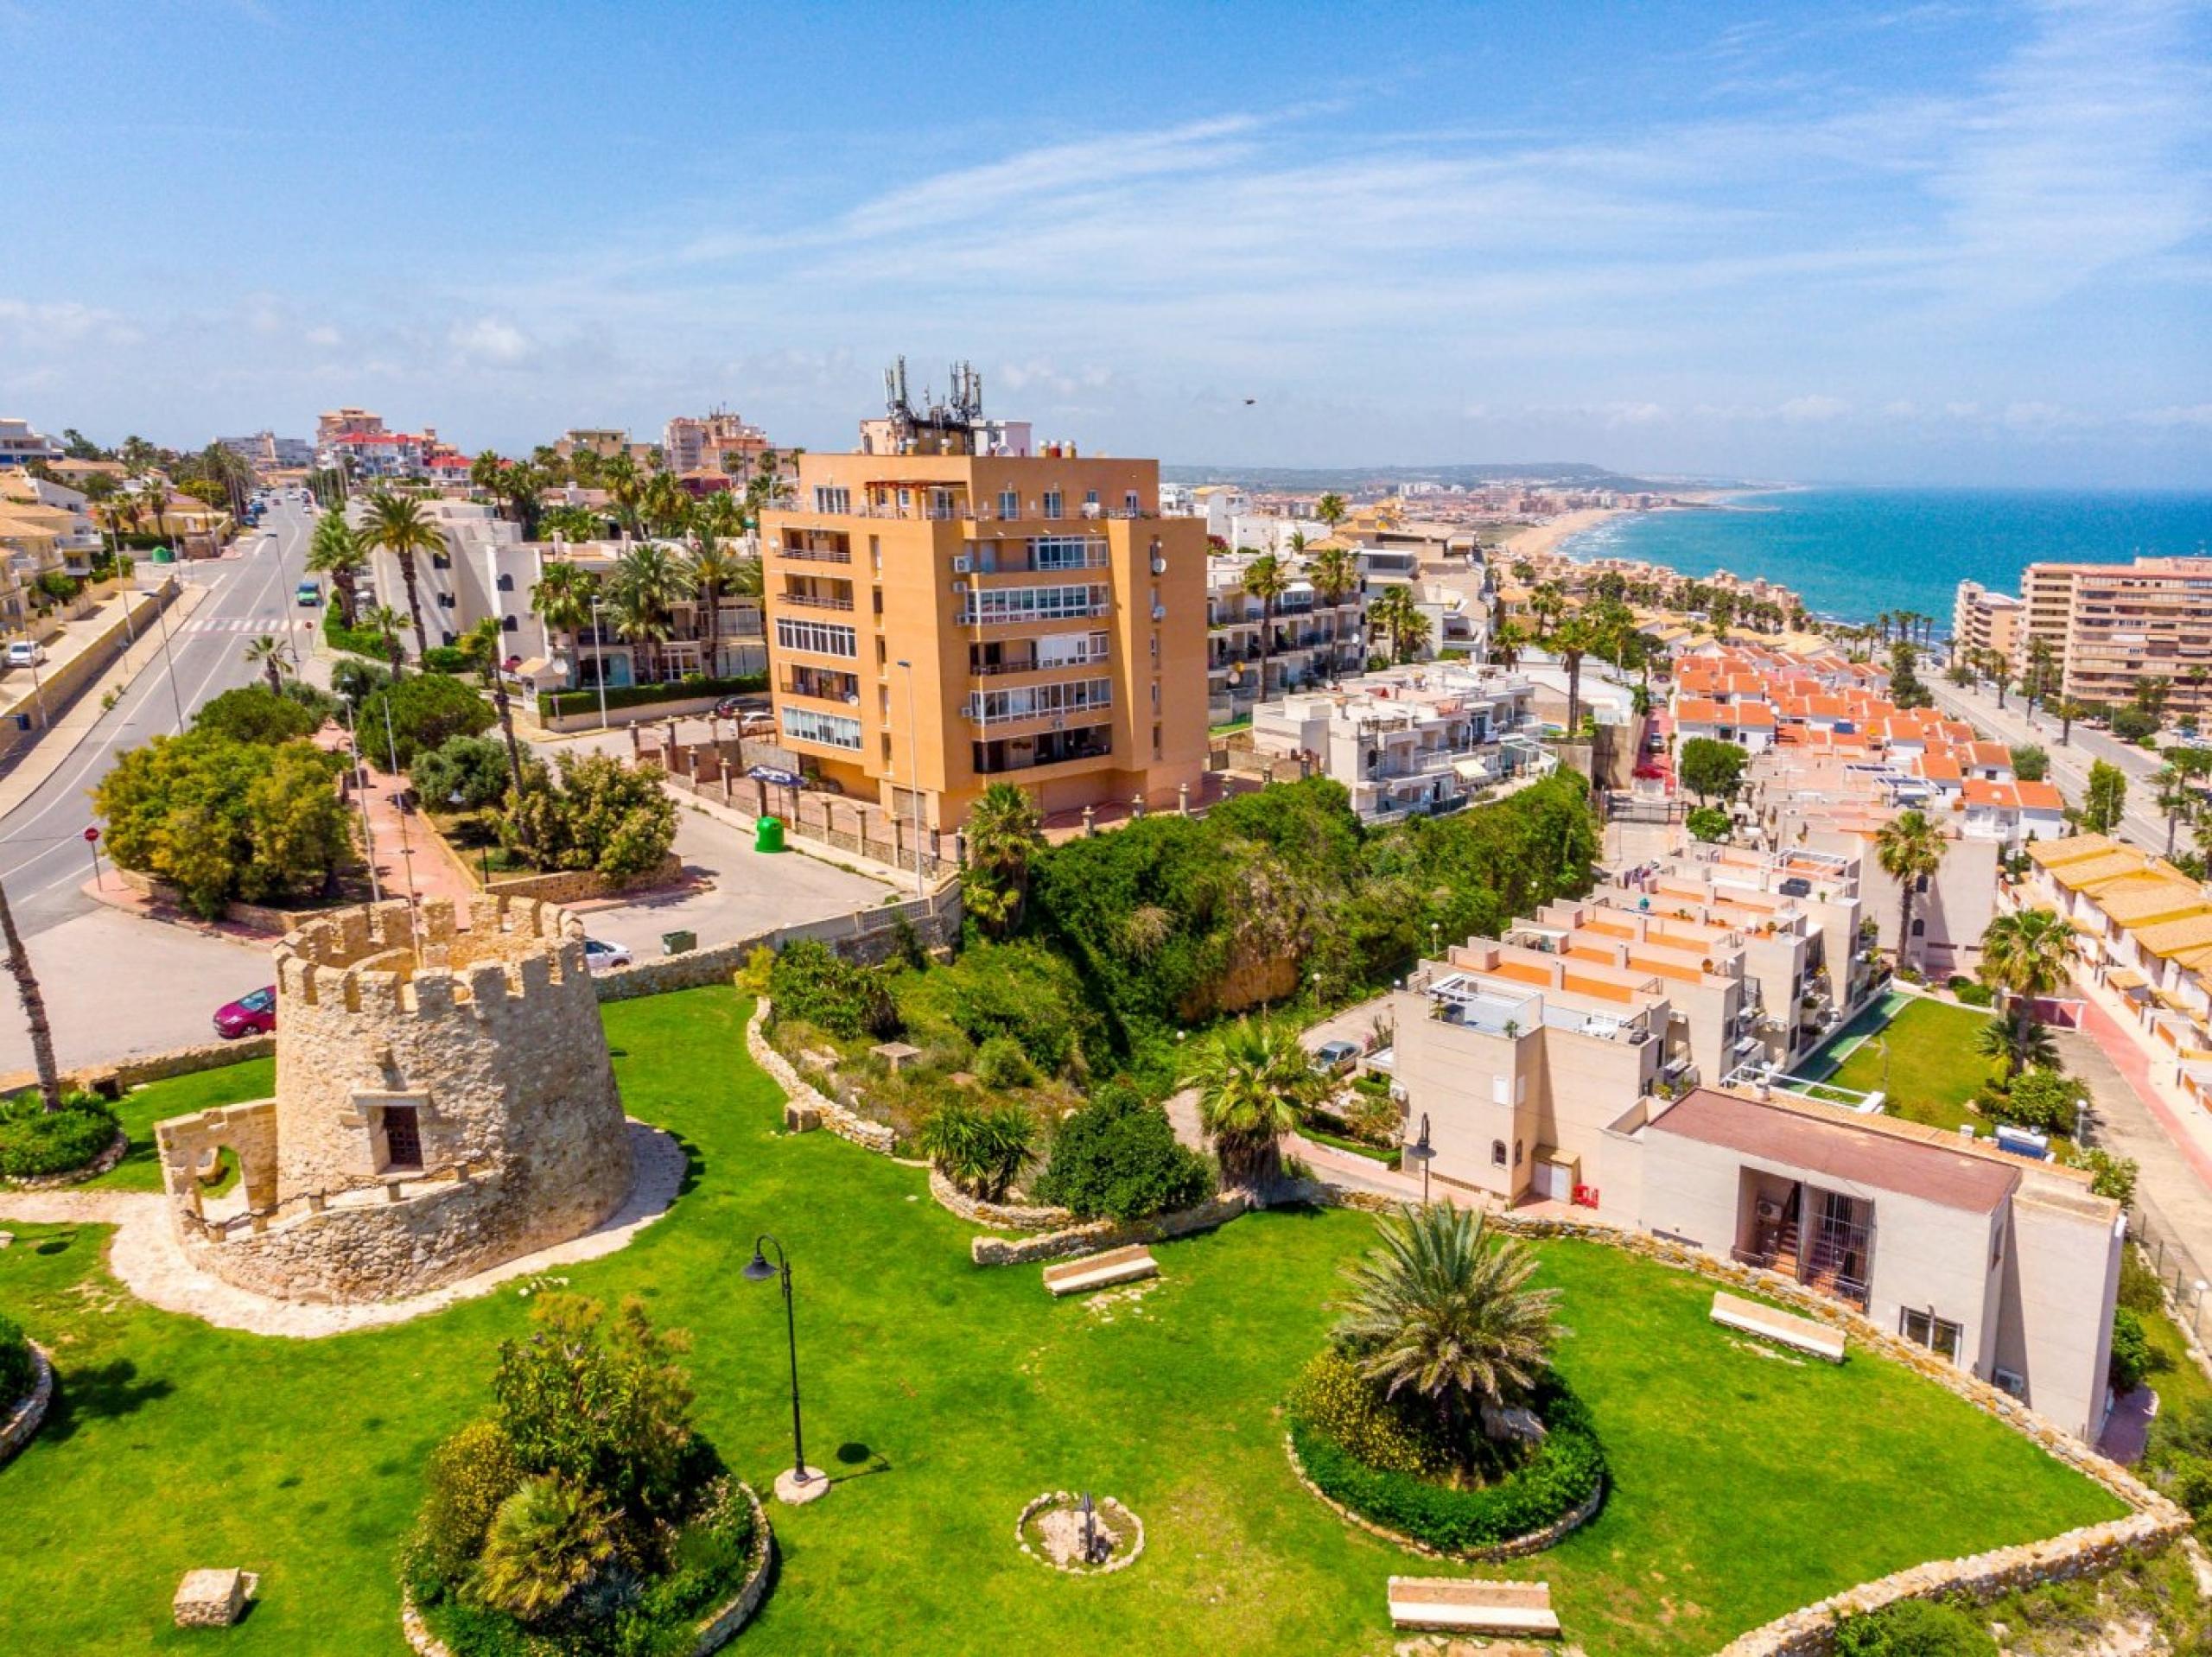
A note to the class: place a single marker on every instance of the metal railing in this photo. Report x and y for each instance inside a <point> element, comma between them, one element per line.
<point>814,601</point>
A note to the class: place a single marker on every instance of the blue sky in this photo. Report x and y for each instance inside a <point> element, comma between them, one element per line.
<point>1935,242</point>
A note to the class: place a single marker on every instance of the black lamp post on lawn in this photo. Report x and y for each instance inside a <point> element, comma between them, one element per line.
<point>1423,1153</point>
<point>802,1483</point>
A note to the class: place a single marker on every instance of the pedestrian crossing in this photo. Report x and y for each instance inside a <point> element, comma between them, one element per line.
<point>235,624</point>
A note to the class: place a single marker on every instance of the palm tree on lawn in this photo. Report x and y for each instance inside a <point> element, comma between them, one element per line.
<point>485,645</point>
<point>2026,956</point>
<point>1331,510</point>
<point>714,569</point>
<point>1265,579</point>
<point>274,658</point>
<point>642,590</point>
<point>1252,1078</point>
<point>2016,1051</point>
<point>33,1004</point>
<point>395,523</point>
<point>335,551</point>
<point>1910,847</point>
<point>1441,1309</point>
<point>387,623</point>
<point>1005,831</point>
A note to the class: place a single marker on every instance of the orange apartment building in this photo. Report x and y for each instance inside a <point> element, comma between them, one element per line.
<point>958,619</point>
<point>2110,626</point>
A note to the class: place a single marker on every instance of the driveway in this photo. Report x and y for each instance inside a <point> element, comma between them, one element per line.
<point>2173,1186</point>
<point>737,893</point>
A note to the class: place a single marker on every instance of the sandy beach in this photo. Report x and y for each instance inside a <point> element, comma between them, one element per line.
<point>1543,537</point>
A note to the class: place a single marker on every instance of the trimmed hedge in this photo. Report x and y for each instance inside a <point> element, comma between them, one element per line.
<point>1564,1472</point>
<point>17,1372</point>
<point>552,704</point>
<point>362,641</point>
<point>34,1144</point>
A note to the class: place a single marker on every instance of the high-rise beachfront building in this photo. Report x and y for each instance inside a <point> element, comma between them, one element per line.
<point>941,619</point>
<point>2110,626</point>
<point>1985,623</point>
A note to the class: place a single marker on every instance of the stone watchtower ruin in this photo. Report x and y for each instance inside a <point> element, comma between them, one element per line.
<point>444,1103</point>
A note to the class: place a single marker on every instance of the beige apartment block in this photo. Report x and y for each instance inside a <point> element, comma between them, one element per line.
<point>1983,622</point>
<point>2110,626</point>
<point>950,621</point>
<point>2006,1266</point>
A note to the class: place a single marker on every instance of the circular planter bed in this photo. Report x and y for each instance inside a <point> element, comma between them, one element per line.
<point>1051,1528</point>
<point>1558,1487</point>
<point>20,1419</point>
<point>111,1154</point>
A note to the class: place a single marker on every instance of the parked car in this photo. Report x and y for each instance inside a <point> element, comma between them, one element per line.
<point>600,954</point>
<point>1337,1056</point>
<point>250,1015</point>
<point>25,653</point>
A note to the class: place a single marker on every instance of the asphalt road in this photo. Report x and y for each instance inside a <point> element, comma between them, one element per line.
<point>43,856</point>
<point>2141,825</point>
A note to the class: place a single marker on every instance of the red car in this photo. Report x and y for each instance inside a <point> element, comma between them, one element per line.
<point>250,1015</point>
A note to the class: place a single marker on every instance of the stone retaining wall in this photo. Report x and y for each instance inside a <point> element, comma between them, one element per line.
<point>1100,1235</point>
<point>22,1424</point>
<point>1004,1216</point>
<point>807,1106</point>
<point>113,1079</point>
<point>868,936</point>
<point>1534,1541</point>
<point>580,885</point>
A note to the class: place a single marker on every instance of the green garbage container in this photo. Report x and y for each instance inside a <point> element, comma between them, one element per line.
<point>163,555</point>
<point>675,943</point>
<point>768,834</point>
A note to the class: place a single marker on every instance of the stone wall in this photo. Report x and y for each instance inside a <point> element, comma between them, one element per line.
<point>1003,1216</point>
<point>868,936</point>
<point>807,1106</point>
<point>582,885</point>
<point>21,1423</point>
<point>113,1080</point>
<point>487,1039</point>
<point>1096,1235</point>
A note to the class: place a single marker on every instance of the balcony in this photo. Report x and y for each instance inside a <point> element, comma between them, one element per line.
<point>816,554</point>
<point>814,601</point>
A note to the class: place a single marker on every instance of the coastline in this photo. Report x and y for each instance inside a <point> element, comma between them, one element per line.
<point>1544,538</point>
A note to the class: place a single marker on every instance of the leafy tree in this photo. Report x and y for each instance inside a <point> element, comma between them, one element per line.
<point>592,813</point>
<point>1710,768</point>
<point>1709,824</point>
<point>1439,1308</point>
<point>485,647</point>
<point>352,679</point>
<point>424,711</point>
<point>2113,1177</point>
<point>468,1477</point>
<point>256,714</point>
<point>2029,763</point>
<point>2133,724</point>
<point>1118,1159</point>
<point>2129,1364</point>
<point>1910,847</point>
<point>2043,1101</point>
<point>2106,801</point>
<point>1253,1077</point>
<point>2026,956</point>
<point>472,767</point>
<point>397,523</point>
<point>1004,833</point>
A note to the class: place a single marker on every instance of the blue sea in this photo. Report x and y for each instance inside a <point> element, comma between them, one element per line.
<point>1851,554</point>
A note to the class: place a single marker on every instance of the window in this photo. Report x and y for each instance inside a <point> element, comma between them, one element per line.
<point>1517,1154</point>
<point>819,638</point>
<point>506,584</point>
<point>1009,503</point>
<point>831,730</point>
<point>836,501</point>
<point>1938,1335</point>
<point>1066,552</point>
<point>510,623</point>
<point>1016,604</point>
<point>1041,701</point>
<point>2008,1381</point>
<point>1052,503</point>
<point>1129,503</point>
<point>1497,1153</point>
<point>1919,927</point>
<point>445,600</point>
<point>1091,498</point>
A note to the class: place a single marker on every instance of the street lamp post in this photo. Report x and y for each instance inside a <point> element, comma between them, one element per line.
<point>599,661</point>
<point>802,1483</point>
<point>1423,1153</point>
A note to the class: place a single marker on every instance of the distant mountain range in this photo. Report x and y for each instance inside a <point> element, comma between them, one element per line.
<point>1559,474</point>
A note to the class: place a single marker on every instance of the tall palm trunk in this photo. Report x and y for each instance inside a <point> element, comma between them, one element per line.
<point>504,706</point>
<point>712,599</point>
<point>1573,694</point>
<point>26,991</point>
<point>1904,916</point>
<point>1267,639</point>
<point>414,602</point>
<point>348,604</point>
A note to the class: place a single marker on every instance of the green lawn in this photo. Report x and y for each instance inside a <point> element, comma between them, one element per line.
<point>138,1110</point>
<point>1931,1069</point>
<point>945,1396</point>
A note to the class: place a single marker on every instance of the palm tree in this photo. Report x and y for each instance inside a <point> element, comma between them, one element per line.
<point>665,504</point>
<point>979,1150</point>
<point>546,1541</point>
<point>1394,610</point>
<point>1507,639</point>
<point>274,658</point>
<point>335,551</point>
<point>387,623</point>
<point>1005,831</point>
<point>33,1004</point>
<point>1911,848</point>
<point>2176,797</point>
<point>2026,956</point>
<point>1331,510</point>
<point>395,523</point>
<point>625,488</point>
<point>641,590</point>
<point>1266,580</point>
<point>1441,1309</point>
<point>485,645</point>
<point>1572,639</point>
<point>562,598</point>
<point>2015,1051</point>
<point>714,569</point>
<point>1334,572</point>
<point>1252,1078</point>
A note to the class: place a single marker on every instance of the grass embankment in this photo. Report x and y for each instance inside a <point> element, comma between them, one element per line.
<point>945,1396</point>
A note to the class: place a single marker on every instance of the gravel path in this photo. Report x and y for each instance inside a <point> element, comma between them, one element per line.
<point>146,1257</point>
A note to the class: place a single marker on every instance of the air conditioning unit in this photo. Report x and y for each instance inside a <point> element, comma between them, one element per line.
<point>960,565</point>
<point>960,587</point>
<point>1160,612</point>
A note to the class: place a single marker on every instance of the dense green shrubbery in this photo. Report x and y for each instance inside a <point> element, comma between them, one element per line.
<point>1118,1159</point>
<point>554,703</point>
<point>425,709</point>
<point>1334,1399</point>
<point>811,982</point>
<point>1914,1628</point>
<point>1970,992</point>
<point>1019,991</point>
<point>2131,1351</point>
<point>446,658</point>
<point>592,813</point>
<point>2045,1102</point>
<point>256,714</point>
<point>35,1142</point>
<point>17,1372</point>
<point>472,767</point>
<point>362,641</point>
<point>1561,1471</point>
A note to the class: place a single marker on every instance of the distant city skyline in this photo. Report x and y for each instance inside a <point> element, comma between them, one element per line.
<point>1953,243</point>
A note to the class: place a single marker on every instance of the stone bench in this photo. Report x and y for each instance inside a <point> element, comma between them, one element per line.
<point>1803,1334</point>
<point>1469,1605</point>
<point>1098,1271</point>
